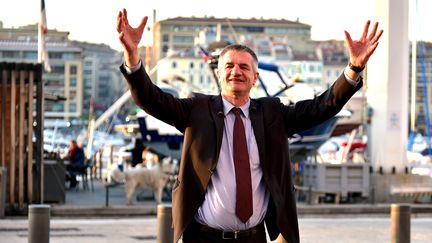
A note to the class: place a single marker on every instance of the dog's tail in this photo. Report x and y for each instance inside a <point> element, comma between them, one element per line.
<point>118,175</point>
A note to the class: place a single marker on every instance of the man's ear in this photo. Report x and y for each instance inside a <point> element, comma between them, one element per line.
<point>217,73</point>
<point>256,77</point>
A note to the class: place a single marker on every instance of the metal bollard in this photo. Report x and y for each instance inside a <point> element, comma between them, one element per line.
<point>164,220</point>
<point>3,181</point>
<point>309,195</point>
<point>39,223</point>
<point>400,223</point>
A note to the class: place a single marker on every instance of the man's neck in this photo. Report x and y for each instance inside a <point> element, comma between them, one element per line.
<point>236,101</point>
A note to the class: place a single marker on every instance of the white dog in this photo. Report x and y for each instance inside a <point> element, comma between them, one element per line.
<point>154,178</point>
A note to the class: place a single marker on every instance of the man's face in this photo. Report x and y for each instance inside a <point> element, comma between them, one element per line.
<point>237,73</point>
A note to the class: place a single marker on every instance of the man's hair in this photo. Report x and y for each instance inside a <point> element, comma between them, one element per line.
<point>239,48</point>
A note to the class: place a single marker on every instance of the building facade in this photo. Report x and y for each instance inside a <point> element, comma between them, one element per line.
<point>178,44</point>
<point>81,73</point>
<point>64,84</point>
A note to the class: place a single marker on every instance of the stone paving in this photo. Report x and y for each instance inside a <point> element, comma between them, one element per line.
<point>356,229</point>
<point>141,225</point>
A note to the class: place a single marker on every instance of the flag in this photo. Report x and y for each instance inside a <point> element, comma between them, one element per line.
<point>42,32</point>
<point>204,54</point>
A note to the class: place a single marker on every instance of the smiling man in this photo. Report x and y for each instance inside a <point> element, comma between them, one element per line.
<point>237,72</point>
<point>235,172</point>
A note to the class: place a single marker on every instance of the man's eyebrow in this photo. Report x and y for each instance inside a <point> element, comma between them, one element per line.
<point>240,64</point>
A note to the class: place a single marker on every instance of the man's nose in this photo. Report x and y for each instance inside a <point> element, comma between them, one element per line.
<point>235,69</point>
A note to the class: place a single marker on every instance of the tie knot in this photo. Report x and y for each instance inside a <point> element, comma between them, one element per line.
<point>236,111</point>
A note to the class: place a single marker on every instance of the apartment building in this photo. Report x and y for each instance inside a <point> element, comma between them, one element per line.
<point>64,84</point>
<point>79,71</point>
<point>177,43</point>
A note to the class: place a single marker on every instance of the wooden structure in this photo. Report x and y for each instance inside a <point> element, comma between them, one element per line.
<point>21,131</point>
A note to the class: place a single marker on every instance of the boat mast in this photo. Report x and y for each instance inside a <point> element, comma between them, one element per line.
<point>413,66</point>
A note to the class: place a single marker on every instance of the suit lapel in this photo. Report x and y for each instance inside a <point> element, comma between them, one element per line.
<point>217,112</point>
<point>256,116</point>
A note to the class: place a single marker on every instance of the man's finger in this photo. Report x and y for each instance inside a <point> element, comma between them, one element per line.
<point>374,30</point>
<point>377,37</point>
<point>143,23</point>
<point>348,39</point>
<point>125,18</point>
<point>119,21</point>
<point>366,29</point>
<point>373,47</point>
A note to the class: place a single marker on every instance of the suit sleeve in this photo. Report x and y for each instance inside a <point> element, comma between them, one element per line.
<point>154,101</point>
<point>309,113</point>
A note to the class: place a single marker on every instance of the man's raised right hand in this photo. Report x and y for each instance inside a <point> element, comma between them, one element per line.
<point>130,37</point>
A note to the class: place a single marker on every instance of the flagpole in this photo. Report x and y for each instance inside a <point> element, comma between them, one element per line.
<point>42,32</point>
<point>42,59</point>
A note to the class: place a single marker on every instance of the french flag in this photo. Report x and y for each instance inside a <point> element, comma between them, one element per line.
<point>42,32</point>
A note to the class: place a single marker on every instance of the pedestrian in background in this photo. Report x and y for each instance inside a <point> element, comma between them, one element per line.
<point>76,164</point>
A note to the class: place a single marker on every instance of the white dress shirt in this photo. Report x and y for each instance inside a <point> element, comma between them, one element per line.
<point>218,208</point>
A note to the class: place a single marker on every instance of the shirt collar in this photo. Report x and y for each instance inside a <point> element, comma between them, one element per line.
<point>228,106</point>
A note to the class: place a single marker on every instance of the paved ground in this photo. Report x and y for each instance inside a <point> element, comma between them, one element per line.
<point>344,229</point>
<point>84,218</point>
<point>88,200</point>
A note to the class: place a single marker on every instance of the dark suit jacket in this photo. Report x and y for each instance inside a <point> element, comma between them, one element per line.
<point>200,119</point>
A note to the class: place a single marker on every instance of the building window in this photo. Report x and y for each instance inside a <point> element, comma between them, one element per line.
<point>73,69</point>
<point>174,64</point>
<point>72,94</point>
<point>30,55</point>
<point>10,54</point>
<point>54,83</point>
<point>73,82</point>
<point>183,39</point>
<point>55,55</point>
<point>165,38</point>
<point>70,56</point>
<point>58,107</point>
<point>58,69</point>
<point>72,107</point>
<point>191,65</point>
<point>165,48</point>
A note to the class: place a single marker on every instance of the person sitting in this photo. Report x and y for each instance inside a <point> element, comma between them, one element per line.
<point>76,163</point>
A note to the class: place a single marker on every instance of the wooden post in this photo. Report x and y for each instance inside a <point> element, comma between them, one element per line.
<point>12,139</point>
<point>39,131</point>
<point>30,140</point>
<point>21,140</point>
<point>3,118</point>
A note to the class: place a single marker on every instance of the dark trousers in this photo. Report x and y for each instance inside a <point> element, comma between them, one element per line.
<point>197,233</point>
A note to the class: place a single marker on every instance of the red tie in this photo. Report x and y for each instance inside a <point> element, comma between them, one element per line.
<point>242,170</point>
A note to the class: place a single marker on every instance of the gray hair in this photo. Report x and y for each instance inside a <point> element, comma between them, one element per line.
<point>239,48</point>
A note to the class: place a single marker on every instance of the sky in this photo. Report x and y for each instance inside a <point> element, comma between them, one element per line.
<point>95,20</point>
